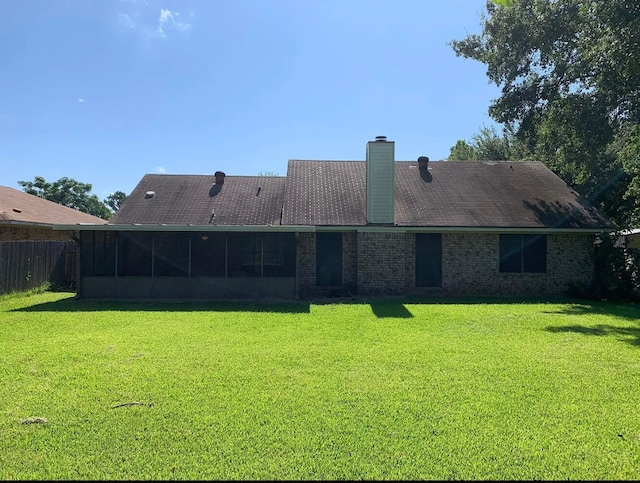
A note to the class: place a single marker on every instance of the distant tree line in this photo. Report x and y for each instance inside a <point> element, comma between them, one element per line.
<point>74,194</point>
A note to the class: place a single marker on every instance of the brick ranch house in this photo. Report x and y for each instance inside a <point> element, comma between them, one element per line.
<point>31,251</point>
<point>27,217</point>
<point>373,227</point>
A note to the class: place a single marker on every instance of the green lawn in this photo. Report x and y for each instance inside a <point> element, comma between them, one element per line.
<point>386,390</point>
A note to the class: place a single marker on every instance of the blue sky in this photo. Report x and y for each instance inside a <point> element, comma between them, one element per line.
<point>104,91</point>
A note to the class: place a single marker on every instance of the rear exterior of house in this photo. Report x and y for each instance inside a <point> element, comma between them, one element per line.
<point>329,228</point>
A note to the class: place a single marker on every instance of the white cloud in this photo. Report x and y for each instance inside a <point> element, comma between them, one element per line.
<point>138,16</point>
<point>167,17</point>
<point>125,20</point>
<point>80,100</point>
<point>160,169</point>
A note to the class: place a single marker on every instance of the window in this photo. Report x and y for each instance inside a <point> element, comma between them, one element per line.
<point>523,253</point>
<point>428,260</point>
<point>328,259</point>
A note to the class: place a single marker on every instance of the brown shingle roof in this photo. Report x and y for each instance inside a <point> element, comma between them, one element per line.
<point>21,207</point>
<point>190,199</point>
<point>453,194</point>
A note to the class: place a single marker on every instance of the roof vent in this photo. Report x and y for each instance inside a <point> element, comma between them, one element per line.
<point>381,139</point>
<point>423,162</point>
<point>149,194</point>
<point>17,210</point>
<point>219,177</point>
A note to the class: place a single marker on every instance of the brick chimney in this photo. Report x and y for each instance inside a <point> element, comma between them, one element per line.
<point>380,180</point>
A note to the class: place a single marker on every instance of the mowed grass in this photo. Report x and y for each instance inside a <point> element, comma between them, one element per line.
<point>387,390</point>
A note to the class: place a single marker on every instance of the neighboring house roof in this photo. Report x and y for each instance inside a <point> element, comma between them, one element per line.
<point>20,207</point>
<point>451,194</point>
<point>191,199</point>
<point>476,194</point>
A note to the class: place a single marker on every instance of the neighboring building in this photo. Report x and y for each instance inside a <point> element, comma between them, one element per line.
<point>373,227</point>
<point>631,239</point>
<point>28,217</point>
<point>31,252</point>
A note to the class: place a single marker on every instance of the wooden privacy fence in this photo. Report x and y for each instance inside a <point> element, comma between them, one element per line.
<point>25,265</point>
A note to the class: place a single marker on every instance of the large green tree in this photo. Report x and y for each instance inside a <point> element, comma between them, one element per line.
<point>68,192</point>
<point>569,73</point>
<point>115,200</point>
<point>488,145</point>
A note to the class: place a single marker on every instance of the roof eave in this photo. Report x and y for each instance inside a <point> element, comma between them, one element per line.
<point>172,227</point>
<point>314,228</point>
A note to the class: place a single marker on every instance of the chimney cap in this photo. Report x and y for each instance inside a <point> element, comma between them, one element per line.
<point>219,175</point>
<point>381,139</point>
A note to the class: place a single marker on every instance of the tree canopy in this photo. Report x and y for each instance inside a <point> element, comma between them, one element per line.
<point>115,200</point>
<point>487,145</point>
<point>569,75</point>
<point>74,194</point>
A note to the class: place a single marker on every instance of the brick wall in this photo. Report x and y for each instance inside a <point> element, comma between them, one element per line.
<point>384,264</point>
<point>307,265</point>
<point>470,266</point>
<point>35,233</point>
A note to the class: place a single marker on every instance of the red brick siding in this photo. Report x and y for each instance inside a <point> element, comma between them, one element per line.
<point>35,233</point>
<point>384,264</point>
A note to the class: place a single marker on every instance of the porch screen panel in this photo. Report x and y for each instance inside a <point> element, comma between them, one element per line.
<point>134,254</point>
<point>208,252</point>
<point>98,252</point>
<point>328,259</point>
<point>244,255</point>
<point>428,260</point>
<point>171,254</point>
<point>279,254</point>
<point>87,247</point>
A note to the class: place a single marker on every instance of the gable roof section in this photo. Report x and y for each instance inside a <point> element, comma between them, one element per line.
<point>325,193</point>
<point>20,207</point>
<point>451,194</point>
<point>190,200</point>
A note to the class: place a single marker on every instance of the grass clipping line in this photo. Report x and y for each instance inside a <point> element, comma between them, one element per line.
<point>34,420</point>
<point>133,403</point>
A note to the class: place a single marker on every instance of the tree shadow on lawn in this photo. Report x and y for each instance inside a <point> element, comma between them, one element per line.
<point>625,311</point>
<point>630,335</point>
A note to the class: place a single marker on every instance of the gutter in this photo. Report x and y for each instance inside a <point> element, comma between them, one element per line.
<point>199,228</point>
<point>327,228</point>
